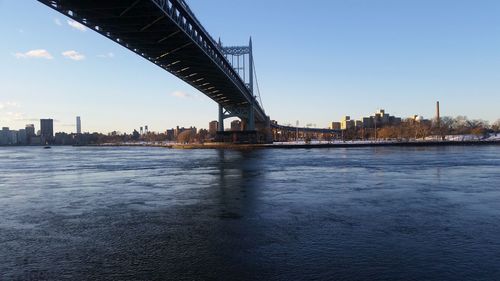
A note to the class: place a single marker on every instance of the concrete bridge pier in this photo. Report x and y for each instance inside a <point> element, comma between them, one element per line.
<point>264,130</point>
<point>251,131</point>
<point>221,119</point>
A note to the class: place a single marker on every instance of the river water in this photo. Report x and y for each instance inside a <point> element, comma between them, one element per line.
<point>120,213</point>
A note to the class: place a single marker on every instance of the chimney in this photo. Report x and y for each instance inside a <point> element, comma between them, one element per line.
<point>438,115</point>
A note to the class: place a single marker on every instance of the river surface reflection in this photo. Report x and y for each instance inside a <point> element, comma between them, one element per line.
<point>123,213</point>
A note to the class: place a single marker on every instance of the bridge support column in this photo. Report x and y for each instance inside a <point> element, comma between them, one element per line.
<point>221,119</point>
<point>252,131</point>
<point>251,118</point>
<point>264,131</point>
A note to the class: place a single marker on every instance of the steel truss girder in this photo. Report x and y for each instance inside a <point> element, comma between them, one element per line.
<point>241,112</point>
<point>305,129</point>
<point>236,50</point>
<point>179,9</point>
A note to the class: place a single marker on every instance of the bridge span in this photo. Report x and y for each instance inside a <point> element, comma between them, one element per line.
<point>168,34</point>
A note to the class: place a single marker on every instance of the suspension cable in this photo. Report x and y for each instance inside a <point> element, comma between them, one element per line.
<point>257,84</point>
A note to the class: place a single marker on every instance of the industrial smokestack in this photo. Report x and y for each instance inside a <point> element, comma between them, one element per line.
<point>438,115</point>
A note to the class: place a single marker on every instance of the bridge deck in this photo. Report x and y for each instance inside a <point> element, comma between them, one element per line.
<point>167,34</point>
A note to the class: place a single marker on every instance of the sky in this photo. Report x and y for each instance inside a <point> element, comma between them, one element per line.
<point>316,61</point>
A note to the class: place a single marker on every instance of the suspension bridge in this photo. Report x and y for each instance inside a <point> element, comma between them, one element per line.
<point>168,34</point>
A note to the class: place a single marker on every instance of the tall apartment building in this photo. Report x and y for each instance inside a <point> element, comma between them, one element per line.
<point>335,126</point>
<point>30,130</point>
<point>47,130</point>
<point>236,125</point>
<point>346,123</point>
<point>78,125</point>
<point>212,128</point>
<point>4,136</point>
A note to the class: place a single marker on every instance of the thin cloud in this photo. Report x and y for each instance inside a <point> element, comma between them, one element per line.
<point>107,56</point>
<point>15,114</point>
<point>28,119</point>
<point>12,104</point>
<point>181,95</point>
<point>39,54</point>
<point>9,104</point>
<point>74,55</point>
<point>57,21</point>
<point>10,116</point>
<point>76,25</point>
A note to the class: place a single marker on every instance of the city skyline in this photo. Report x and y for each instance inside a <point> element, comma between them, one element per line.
<point>77,72</point>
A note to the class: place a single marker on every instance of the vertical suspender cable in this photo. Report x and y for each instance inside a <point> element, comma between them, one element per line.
<point>257,84</point>
<point>244,70</point>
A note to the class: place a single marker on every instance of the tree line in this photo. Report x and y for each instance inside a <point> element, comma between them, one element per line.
<point>410,129</point>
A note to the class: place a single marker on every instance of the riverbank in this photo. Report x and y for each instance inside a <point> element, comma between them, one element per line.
<point>302,145</point>
<point>331,145</point>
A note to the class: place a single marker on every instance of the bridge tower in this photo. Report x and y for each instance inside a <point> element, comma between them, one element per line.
<point>241,59</point>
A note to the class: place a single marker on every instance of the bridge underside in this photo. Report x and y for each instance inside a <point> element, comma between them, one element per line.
<point>163,32</point>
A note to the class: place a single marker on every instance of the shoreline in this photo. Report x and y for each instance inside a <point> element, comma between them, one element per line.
<point>291,145</point>
<point>333,145</point>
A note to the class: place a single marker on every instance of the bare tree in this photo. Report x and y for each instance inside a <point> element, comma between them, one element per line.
<point>186,137</point>
<point>447,126</point>
<point>496,126</point>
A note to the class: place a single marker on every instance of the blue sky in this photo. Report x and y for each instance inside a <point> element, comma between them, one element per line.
<point>316,61</point>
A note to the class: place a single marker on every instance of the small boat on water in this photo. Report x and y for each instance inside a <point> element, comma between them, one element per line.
<point>47,147</point>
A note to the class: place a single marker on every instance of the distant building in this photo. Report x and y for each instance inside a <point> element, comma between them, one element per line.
<point>418,119</point>
<point>47,130</point>
<point>36,140</point>
<point>236,125</point>
<point>368,122</point>
<point>394,121</point>
<point>346,123</point>
<point>8,137</point>
<point>178,130</point>
<point>64,139</point>
<point>383,119</point>
<point>170,134</point>
<point>379,120</point>
<point>78,125</point>
<point>4,136</point>
<point>335,126</point>
<point>13,137</point>
<point>30,132</point>
<point>213,127</point>
<point>22,137</point>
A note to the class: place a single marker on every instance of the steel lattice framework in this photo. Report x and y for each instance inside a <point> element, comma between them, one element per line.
<point>168,34</point>
<point>305,129</point>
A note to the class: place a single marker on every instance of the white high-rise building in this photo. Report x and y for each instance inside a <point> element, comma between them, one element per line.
<point>78,125</point>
